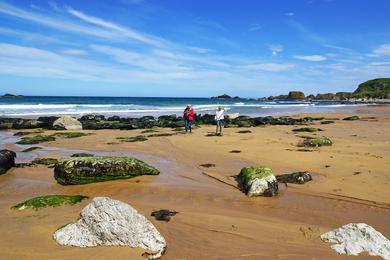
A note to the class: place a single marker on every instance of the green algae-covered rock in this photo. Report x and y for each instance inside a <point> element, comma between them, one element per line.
<point>36,139</point>
<point>258,181</point>
<point>351,118</point>
<point>317,141</point>
<point>307,129</point>
<point>83,170</point>
<point>49,201</point>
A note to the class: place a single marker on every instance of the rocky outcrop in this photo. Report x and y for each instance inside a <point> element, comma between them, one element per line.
<point>108,222</point>
<point>83,170</point>
<point>7,160</point>
<point>67,123</point>
<point>316,141</point>
<point>296,95</point>
<point>355,238</point>
<point>258,181</point>
<point>8,95</point>
<point>295,177</point>
<point>376,88</point>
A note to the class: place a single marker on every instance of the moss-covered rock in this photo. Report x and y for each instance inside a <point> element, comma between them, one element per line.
<point>160,135</point>
<point>7,160</point>
<point>317,141</point>
<point>307,129</point>
<point>82,155</point>
<point>45,161</point>
<point>138,138</point>
<point>83,170</point>
<point>351,118</point>
<point>33,148</point>
<point>49,201</point>
<point>258,181</point>
<point>327,122</point>
<point>36,139</point>
<point>71,134</point>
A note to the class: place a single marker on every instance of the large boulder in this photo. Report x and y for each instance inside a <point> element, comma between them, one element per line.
<point>83,170</point>
<point>108,222</point>
<point>258,181</point>
<point>7,160</point>
<point>67,123</point>
<point>354,238</point>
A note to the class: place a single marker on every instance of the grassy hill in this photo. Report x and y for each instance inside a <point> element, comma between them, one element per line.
<point>375,88</point>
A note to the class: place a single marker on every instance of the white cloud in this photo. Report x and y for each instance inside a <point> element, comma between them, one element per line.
<point>271,67</point>
<point>382,50</point>
<point>75,52</point>
<point>290,14</point>
<point>199,49</point>
<point>276,49</point>
<point>310,57</point>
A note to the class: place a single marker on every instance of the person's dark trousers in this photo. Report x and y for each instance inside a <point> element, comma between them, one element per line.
<point>219,127</point>
<point>188,125</point>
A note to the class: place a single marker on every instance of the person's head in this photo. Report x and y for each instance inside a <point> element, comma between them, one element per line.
<point>220,108</point>
<point>188,106</point>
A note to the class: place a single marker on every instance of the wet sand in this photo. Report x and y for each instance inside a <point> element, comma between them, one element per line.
<point>216,221</point>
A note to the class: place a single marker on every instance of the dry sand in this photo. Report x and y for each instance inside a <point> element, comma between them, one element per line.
<point>217,221</point>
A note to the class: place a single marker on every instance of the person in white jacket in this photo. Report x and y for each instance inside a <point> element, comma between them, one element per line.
<point>219,117</point>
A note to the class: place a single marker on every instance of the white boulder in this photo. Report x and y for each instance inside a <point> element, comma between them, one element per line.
<point>354,238</point>
<point>108,222</point>
<point>233,116</point>
<point>67,123</point>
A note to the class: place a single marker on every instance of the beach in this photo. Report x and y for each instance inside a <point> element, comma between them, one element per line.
<point>215,220</point>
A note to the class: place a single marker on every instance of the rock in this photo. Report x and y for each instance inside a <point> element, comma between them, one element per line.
<point>7,160</point>
<point>132,139</point>
<point>163,214</point>
<point>36,139</point>
<point>49,201</point>
<point>317,141</point>
<point>67,123</point>
<point>83,170</point>
<point>258,181</point>
<point>33,148</point>
<point>224,96</point>
<point>108,222</point>
<point>355,238</point>
<point>326,96</point>
<point>232,116</point>
<point>295,177</point>
<point>307,129</point>
<point>8,95</point>
<point>351,118</point>
<point>375,88</point>
<point>296,95</point>
<point>82,155</point>
<point>326,122</point>
<point>207,165</point>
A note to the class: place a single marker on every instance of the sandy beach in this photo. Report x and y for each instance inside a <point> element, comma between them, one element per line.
<point>216,220</point>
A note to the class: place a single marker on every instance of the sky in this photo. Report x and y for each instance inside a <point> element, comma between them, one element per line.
<point>169,48</point>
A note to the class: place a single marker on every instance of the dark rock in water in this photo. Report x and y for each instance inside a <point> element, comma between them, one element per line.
<point>235,151</point>
<point>83,170</point>
<point>295,177</point>
<point>33,148</point>
<point>351,118</point>
<point>7,160</point>
<point>224,96</point>
<point>244,132</point>
<point>82,155</point>
<point>8,95</point>
<point>326,122</point>
<point>163,214</point>
<point>296,95</point>
<point>207,165</point>
<point>258,181</point>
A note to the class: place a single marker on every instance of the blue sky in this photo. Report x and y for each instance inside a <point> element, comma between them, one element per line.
<point>191,48</point>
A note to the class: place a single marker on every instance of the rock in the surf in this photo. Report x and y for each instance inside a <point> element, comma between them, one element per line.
<point>108,222</point>
<point>67,123</point>
<point>7,160</point>
<point>83,170</point>
<point>258,181</point>
<point>295,177</point>
<point>355,238</point>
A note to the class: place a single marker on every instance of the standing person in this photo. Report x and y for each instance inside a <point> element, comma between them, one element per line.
<point>219,117</point>
<point>188,116</point>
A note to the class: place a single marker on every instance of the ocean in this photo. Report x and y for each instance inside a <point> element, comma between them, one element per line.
<point>35,106</point>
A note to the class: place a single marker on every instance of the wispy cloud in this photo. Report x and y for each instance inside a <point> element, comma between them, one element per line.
<point>382,50</point>
<point>255,27</point>
<point>75,52</point>
<point>310,57</point>
<point>276,49</point>
<point>270,67</point>
<point>290,14</point>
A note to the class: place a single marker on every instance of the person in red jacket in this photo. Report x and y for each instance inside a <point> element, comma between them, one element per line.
<point>188,116</point>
